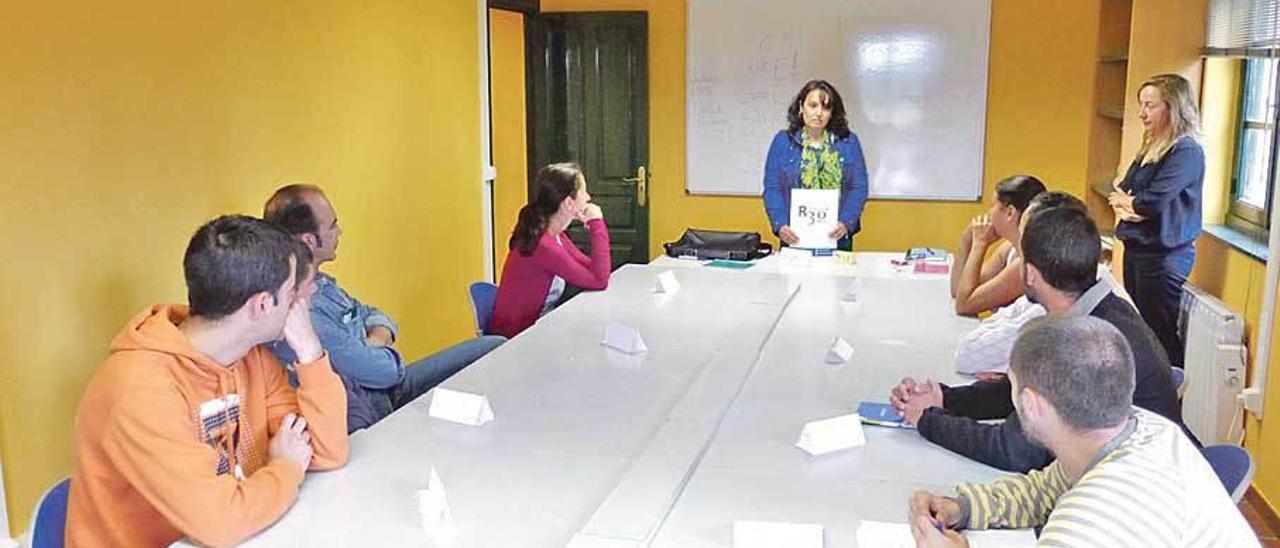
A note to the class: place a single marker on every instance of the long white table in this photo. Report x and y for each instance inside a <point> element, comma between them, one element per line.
<point>667,448</point>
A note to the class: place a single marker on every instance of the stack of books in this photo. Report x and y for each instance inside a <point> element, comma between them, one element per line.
<point>929,260</point>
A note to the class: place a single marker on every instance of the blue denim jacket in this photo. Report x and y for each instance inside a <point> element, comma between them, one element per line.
<point>782,173</point>
<point>341,322</point>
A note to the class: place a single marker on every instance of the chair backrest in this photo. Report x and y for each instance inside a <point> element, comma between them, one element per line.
<point>49,523</point>
<point>1179,380</point>
<point>1234,467</point>
<point>483,295</point>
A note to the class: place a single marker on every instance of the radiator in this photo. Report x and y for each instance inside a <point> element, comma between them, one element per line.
<point>1215,367</point>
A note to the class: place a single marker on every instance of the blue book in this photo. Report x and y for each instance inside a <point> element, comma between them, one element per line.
<point>880,414</point>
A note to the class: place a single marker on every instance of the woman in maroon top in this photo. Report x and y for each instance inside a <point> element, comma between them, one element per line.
<point>542,259</point>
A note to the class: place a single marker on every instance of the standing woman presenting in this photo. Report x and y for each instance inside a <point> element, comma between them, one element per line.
<point>816,151</point>
<point>1158,204</point>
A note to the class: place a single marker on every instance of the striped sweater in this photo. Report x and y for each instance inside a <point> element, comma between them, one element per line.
<point>1149,487</point>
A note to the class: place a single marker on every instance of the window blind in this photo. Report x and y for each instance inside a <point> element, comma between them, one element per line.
<point>1243,28</point>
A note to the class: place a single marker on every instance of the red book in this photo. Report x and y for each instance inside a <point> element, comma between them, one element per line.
<point>930,267</point>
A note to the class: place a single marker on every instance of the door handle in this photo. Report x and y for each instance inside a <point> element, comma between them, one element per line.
<point>642,184</point>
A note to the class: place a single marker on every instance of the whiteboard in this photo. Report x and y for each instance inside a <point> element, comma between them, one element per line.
<point>912,73</point>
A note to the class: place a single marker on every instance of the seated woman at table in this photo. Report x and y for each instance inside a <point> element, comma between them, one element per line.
<point>816,151</point>
<point>980,282</point>
<point>542,258</point>
<point>985,350</point>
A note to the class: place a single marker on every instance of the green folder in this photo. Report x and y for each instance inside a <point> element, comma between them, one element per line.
<point>735,265</point>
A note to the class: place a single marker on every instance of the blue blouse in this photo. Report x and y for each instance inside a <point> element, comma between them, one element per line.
<point>1168,193</point>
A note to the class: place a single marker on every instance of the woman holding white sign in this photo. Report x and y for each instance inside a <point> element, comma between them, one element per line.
<point>817,152</point>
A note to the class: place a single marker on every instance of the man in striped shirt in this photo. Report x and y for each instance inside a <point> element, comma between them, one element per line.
<point>1123,476</point>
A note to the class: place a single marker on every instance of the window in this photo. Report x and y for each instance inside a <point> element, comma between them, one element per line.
<point>1255,149</point>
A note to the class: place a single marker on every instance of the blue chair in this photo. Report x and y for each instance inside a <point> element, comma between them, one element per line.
<point>483,295</point>
<point>1234,467</point>
<point>49,523</point>
<point>1179,381</point>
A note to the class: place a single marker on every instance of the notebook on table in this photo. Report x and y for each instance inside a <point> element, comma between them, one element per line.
<point>880,414</point>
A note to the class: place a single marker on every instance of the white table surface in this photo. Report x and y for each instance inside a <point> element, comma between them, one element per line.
<point>668,447</point>
<point>901,325</point>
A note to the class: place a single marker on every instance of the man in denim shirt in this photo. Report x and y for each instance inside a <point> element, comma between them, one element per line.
<point>359,338</point>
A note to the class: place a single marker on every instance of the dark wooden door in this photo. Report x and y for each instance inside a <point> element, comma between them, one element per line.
<point>590,104</point>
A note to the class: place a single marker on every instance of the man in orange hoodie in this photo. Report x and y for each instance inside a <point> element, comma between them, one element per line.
<point>190,428</point>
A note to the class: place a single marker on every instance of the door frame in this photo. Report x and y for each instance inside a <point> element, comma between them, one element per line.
<point>487,172</point>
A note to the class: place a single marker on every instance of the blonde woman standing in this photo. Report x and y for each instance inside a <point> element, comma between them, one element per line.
<point>1158,203</point>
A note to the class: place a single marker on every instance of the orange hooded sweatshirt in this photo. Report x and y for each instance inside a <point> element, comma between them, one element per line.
<point>170,444</point>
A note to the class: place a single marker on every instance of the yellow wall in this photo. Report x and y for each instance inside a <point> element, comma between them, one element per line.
<point>1263,441</point>
<point>1038,115</point>
<point>510,153</point>
<point>125,125</point>
<point>1220,97</point>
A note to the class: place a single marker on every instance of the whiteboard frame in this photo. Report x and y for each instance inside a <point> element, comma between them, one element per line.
<point>981,133</point>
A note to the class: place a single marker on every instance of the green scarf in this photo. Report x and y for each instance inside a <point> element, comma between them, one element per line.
<point>819,163</point>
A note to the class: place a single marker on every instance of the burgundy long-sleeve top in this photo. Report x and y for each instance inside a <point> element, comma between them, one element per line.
<point>526,280</point>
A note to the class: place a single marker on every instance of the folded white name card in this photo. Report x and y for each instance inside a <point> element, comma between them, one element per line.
<point>772,534</point>
<point>840,351</point>
<point>790,256</point>
<point>433,507</point>
<point>834,434</point>
<point>624,338</point>
<point>885,535</point>
<point>451,405</point>
<point>666,283</point>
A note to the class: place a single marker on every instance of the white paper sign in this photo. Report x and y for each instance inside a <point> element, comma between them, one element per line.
<point>834,434</point>
<point>885,535</point>
<point>666,283</point>
<point>840,351</point>
<point>461,407</point>
<point>794,257</point>
<point>814,214</point>
<point>771,534</point>
<point>624,338</point>
<point>433,507</point>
